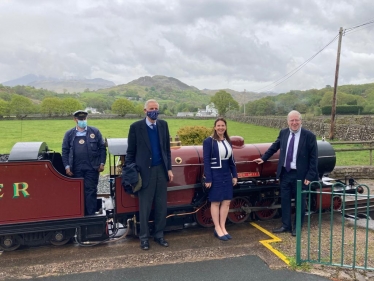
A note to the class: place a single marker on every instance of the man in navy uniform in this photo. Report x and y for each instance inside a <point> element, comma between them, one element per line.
<point>83,156</point>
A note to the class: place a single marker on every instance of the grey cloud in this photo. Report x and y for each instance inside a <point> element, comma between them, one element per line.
<point>236,44</point>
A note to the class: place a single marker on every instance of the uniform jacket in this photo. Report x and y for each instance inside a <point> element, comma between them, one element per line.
<point>212,159</point>
<point>139,148</point>
<point>306,157</point>
<point>96,147</point>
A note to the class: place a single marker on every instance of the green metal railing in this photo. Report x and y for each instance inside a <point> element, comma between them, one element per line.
<point>338,245</point>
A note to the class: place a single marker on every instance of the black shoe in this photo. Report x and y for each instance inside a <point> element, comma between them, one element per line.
<point>223,237</point>
<point>281,229</point>
<point>293,232</point>
<point>144,245</point>
<point>162,241</point>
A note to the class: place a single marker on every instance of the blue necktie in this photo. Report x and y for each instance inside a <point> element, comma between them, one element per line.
<point>153,126</point>
<point>290,153</point>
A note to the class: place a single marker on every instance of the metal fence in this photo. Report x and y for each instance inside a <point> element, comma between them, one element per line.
<point>336,237</point>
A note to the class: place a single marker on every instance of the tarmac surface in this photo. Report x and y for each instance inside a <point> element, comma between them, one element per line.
<point>193,254</point>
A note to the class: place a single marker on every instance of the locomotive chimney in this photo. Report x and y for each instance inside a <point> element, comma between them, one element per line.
<point>176,142</point>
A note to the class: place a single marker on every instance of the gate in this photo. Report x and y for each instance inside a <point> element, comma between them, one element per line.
<point>336,237</point>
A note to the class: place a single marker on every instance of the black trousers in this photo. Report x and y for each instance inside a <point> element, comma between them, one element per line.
<point>91,180</point>
<point>288,187</point>
<point>155,192</point>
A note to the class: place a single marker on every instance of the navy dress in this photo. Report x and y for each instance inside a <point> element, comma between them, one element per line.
<point>219,169</point>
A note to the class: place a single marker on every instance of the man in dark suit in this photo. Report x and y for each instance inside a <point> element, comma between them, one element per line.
<point>297,161</point>
<point>149,148</point>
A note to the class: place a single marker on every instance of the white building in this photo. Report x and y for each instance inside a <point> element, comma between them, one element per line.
<point>92,110</point>
<point>210,111</point>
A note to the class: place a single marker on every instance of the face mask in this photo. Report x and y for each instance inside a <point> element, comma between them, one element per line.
<point>82,124</point>
<point>153,114</point>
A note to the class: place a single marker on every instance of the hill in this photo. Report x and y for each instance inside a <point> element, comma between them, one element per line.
<point>162,83</point>
<point>60,85</point>
<point>241,97</point>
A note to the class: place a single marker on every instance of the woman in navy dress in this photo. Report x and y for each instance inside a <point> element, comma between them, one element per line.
<point>220,176</point>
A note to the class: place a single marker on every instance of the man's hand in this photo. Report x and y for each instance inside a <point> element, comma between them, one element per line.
<point>101,168</point>
<point>68,172</point>
<point>171,176</point>
<point>258,161</point>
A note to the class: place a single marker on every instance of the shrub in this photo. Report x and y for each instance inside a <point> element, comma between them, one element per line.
<point>193,135</point>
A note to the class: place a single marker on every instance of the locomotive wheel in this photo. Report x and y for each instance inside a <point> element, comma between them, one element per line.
<point>9,243</point>
<point>203,217</point>
<point>265,214</point>
<point>337,203</point>
<point>238,216</point>
<point>59,238</point>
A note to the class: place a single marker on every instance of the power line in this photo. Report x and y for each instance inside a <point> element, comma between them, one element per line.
<point>350,29</point>
<point>297,69</point>
<point>294,71</point>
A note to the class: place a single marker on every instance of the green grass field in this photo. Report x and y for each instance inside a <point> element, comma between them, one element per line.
<point>52,132</point>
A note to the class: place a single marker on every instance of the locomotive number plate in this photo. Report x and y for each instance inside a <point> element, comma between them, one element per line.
<point>248,174</point>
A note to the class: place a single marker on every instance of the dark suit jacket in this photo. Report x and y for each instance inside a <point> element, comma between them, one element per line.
<point>139,148</point>
<point>212,159</point>
<point>306,157</point>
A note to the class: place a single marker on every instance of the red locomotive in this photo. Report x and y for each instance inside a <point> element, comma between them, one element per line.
<point>39,204</point>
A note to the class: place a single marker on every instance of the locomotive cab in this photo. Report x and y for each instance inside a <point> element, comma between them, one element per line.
<point>36,151</point>
<point>39,203</point>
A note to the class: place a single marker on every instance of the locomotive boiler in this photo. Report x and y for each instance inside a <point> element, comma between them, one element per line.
<point>40,204</point>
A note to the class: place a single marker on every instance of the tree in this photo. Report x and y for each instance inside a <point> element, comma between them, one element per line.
<point>70,105</point>
<point>139,110</point>
<point>224,102</point>
<point>3,108</point>
<point>51,106</point>
<point>99,103</point>
<point>21,106</point>
<point>122,107</point>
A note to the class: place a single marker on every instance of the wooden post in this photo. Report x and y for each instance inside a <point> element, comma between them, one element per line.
<point>333,107</point>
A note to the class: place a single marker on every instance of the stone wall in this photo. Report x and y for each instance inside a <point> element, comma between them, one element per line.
<point>347,128</point>
<point>356,172</point>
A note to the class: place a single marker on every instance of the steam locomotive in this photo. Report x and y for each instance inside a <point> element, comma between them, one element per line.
<point>39,204</point>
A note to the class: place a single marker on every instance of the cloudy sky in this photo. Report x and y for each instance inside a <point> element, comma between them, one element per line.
<point>236,44</point>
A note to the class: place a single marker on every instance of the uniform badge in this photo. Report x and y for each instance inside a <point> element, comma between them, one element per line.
<point>92,136</point>
<point>81,141</point>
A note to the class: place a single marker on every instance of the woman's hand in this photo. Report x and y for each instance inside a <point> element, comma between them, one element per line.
<point>208,184</point>
<point>234,181</point>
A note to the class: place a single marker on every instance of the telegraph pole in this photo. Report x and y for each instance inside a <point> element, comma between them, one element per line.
<point>333,107</point>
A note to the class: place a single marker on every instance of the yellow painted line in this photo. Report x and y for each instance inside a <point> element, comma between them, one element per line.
<point>267,243</point>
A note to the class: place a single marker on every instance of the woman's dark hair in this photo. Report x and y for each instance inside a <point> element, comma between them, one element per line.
<point>215,135</point>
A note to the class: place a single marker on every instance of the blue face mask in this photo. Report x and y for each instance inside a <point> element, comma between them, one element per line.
<point>153,114</point>
<point>82,124</point>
